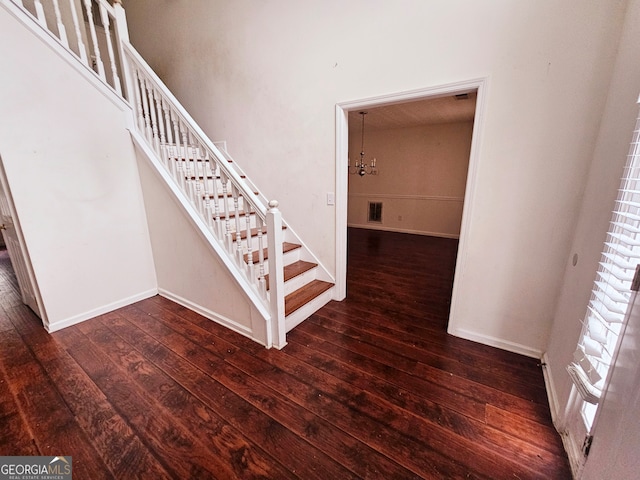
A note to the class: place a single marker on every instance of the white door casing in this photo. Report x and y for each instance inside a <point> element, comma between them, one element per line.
<point>342,110</point>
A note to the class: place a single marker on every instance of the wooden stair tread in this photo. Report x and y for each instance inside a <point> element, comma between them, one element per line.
<point>293,270</point>
<point>254,232</point>
<point>182,159</point>
<point>286,247</point>
<point>221,195</point>
<point>209,177</point>
<point>304,295</point>
<point>241,213</point>
<point>297,268</point>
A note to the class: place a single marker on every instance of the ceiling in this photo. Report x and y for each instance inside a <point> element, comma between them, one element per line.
<point>446,109</point>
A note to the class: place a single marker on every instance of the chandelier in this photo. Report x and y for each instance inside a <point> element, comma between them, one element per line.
<point>360,167</point>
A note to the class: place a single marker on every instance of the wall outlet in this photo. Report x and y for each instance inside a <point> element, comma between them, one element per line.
<point>399,218</point>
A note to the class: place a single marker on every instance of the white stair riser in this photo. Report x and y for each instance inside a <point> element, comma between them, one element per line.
<point>299,281</point>
<point>291,256</point>
<point>297,317</point>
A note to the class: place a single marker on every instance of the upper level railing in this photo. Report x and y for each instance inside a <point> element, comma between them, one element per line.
<point>88,29</point>
<point>247,230</point>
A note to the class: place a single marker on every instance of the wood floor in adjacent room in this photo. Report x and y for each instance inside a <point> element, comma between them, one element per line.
<point>371,387</point>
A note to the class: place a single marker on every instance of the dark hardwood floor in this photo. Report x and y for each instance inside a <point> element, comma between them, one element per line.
<point>371,387</point>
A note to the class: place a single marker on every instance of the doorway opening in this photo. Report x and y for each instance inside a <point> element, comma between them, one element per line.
<point>15,251</point>
<point>392,105</point>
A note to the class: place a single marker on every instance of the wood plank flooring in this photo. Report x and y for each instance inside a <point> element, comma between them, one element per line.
<point>371,387</point>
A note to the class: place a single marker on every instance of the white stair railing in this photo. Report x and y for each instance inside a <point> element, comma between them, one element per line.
<point>237,217</point>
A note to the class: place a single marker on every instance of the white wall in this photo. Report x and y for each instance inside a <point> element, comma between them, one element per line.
<point>421,180</point>
<point>609,157</point>
<point>73,176</point>
<point>266,77</point>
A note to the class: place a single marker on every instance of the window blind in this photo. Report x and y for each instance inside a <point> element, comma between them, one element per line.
<point>611,292</point>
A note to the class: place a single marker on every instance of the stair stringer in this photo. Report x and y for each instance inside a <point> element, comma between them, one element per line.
<point>261,328</point>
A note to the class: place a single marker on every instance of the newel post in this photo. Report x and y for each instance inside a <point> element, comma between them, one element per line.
<point>275,238</point>
<point>122,37</point>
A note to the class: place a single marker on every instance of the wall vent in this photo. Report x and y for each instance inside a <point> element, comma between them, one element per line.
<point>375,212</point>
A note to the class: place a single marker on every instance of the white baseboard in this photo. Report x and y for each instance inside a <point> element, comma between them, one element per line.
<point>574,453</point>
<point>497,342</point>
<point>571,446</point>
<point>211,315</point>
<point>404,230</point>
<point>60,324</point>
<point>552,395</point>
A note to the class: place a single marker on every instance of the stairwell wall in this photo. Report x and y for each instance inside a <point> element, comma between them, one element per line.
<point>266,77</point>
<point>73,176</point>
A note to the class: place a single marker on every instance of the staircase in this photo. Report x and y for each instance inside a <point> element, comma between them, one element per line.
<point>270,263</point>
<point>210,189</point>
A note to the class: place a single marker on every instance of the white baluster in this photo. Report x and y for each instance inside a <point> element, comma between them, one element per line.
<point>227,220</point>
<point>163,138</point>
<point>42,18</point>
<point>177,164</point>
<point>61,30</point>
<point>167,122</point>
<point>236,212</point>
<point>205,200</point>
<point>216,196</point>
<point>179,159</point>
<point>262,284</point>
<point>198,194</point>
<point>82,50</point>
<point>185,149</point>
<point>138,92</point>
<point>94,38</point>
<point>145,107</point>
<point>250,267</point>
<point>154,120</point>
<point>112,59</point>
